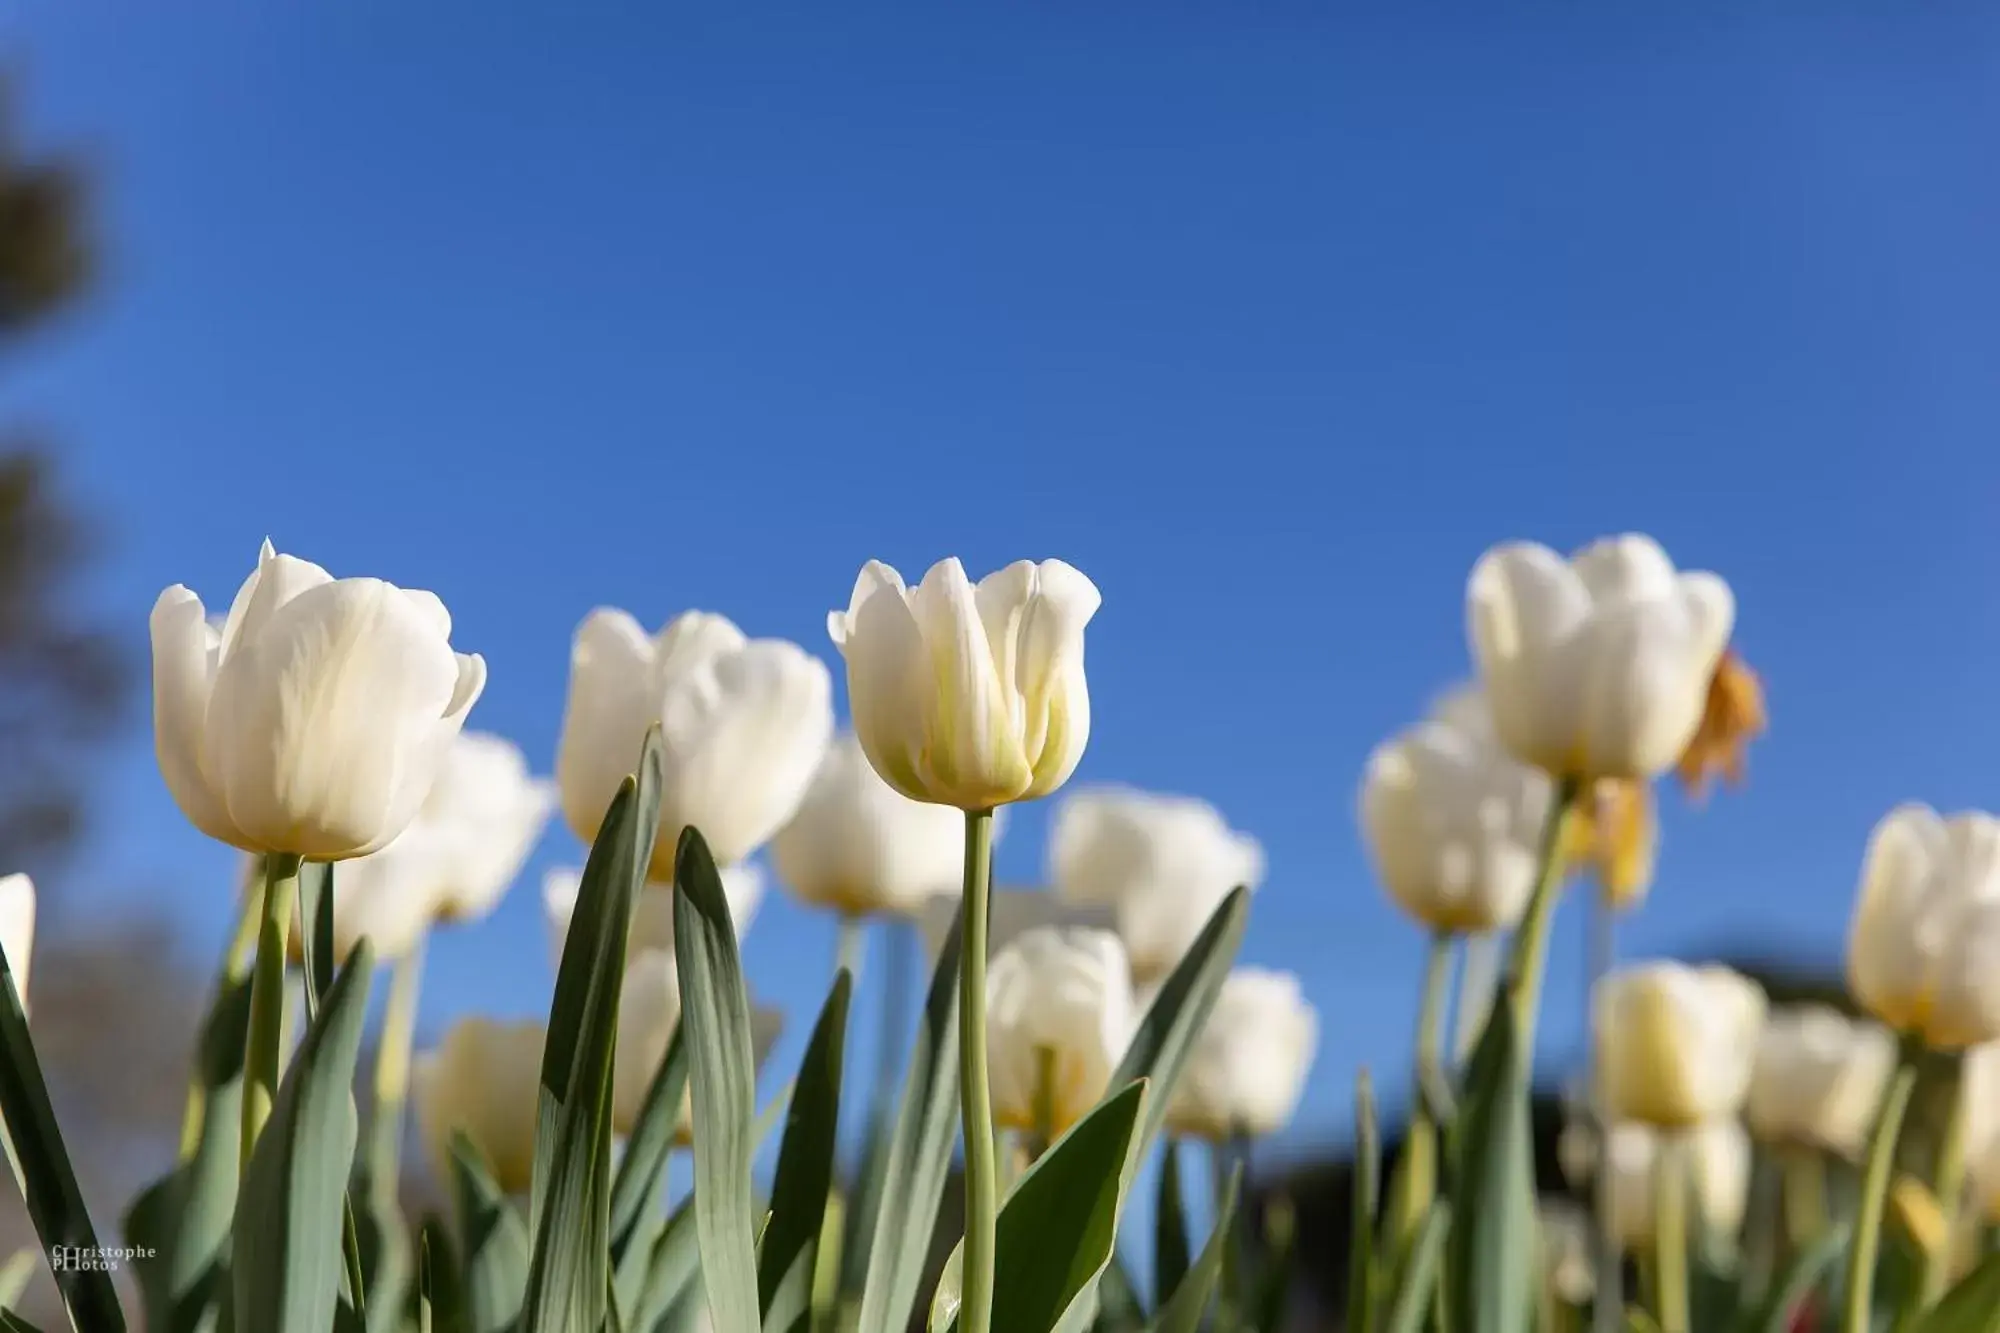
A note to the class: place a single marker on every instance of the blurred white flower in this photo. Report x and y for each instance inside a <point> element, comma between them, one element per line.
<point>1596,666</point>
<point>969,696</point>
<point>653,915</point>
<point>484,1079</point>
<point>1248,1067</point>
<point>1568,1265</point>
<point>1453,822</point>
<point>1163,863</point>
<point>1013,912</point>
<point>1717,1158</point>
<point>743,724</point>
<point>314,720</point>
<point>17,929</point>
<point>649,1008</point>
<point>858,846</point>
<point>1923,954</point>
<point>1478,981</point>
<point>1058,1002</point>
<point>1675,1044</point>
<point>1818,1079</point>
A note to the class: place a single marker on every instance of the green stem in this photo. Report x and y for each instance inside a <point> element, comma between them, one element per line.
<point>1670,1235</point>
<point>1607,1261</point>
<point>1874,1194</point>
<point>1805,1195</point>
<point>235,966</point>
<point>1947,1184</point>
<point>1415,1183</point>
<point>982,1198</point>
<point>1531,939</point>
<point>392,1071</point>
<point>267,997</point>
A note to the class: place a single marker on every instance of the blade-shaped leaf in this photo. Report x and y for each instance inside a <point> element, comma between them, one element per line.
<point>805,1163</point>
<point>1183,1311</point>
<point>15,1275</point>
<point>649,1145</point>
<point>423,1286</point>
<point>715,1013</point>
<point>316,915</point>
<point>13,1323</point>
<point>440,1278</point>
<point>1973,1306</point>
<point>1367,1190</point>
<point>1418,1280</point>
<point>1170,1238</point>
<point>671,1270</point>
<point>1779,1309</point>
<point>1490,1253</point>
<point>495,1269</point>
<point>1119,1310</point>
<point>919,1156</point>
<point>287,1253</point>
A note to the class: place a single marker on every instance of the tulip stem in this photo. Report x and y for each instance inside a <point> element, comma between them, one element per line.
<point>267,997</point>
<point>1804,1195</point>
<point>1414,1183</point>
<point>235,967</point>
<point>1947,1184</point>
<point>1859,1313</point>
<point>1606,1258</point>
<point>392,1071</point>
<point>982,1199</point>
<point>1531,940</point>
<point>1670,1234</point>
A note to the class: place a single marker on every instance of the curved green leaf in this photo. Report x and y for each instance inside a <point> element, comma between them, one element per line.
<point>1973,1306</point>
<point>495,1269</point>
<point>1170,1238</point>
<point>1182,1312</point>
<point>805,1164</point>
<point>1361,1290</point>
<point>649,1145</point>
<point>1180,1011</point>
<point>1778,1310</point>
<point>1490,1254</point>
<point>1420,1270</point>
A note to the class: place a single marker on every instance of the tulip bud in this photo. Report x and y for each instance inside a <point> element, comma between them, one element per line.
<point>1163,863</point>
<point>1718,1160</point>
<point>1597,666</point>
<point>653,914</point>
<point>859,846</point>
<point>1923,954</point>
<point>1675,1044</point>
<point>964,696</point>
<point>1453,822</point>
<point>1060,1002</point>
<point>1819,1079</point>
<point>314,720</point>
<point>1248,1066</point>
<point>743,723</point>
<point>17,928</point>
<point>484,1079</point>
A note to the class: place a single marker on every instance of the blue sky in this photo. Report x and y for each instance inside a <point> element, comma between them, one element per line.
<point>1268,320</point>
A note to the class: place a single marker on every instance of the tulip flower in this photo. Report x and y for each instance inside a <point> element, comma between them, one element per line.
<point>314,720</point>
<point>1248,1067</point>
<point>17,929</point>
<point>1923,953</point>
<point>1818,1079</point>
<point>743,723</point>
<point>1453,822</point>
<point>860,847</point>
<point>483,1079</point>
<point>969,696</point>
<point>1163,863</point>
<point>1675,1044</point>
<point>1061,1013</point>
<point>1598,666</point>
<point>1717,1155</point>
<point>653,915</point>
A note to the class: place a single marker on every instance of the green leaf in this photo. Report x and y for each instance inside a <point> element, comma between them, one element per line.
<point>383,1248</point>
<point>441,1277</point>
<point>1973,1306</point>
<point>919,1156</point>
<point>423,1286</point>
<point>1274,1282</point>
<point>1119,1310</point>
<point>13,1323</point>
<point>805,1164</point>
<point>715,1014</point>
<point>15,1275</point>
<point>649,1145</point>
<point>1420,1271</point>
<point>287,1249</point>
<point>569,1272</point>
<point>1366,1200</point>
<point>316,912</point>
<point>671,1269</point>
<point>149,1224</point>
<point>1781,1306</point>
<point>496,1244</point>
<point>1182,1312</point>
<point>1490,1255</point>
<point>1170,1238</point>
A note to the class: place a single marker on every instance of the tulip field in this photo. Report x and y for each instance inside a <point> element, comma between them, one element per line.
<point>1732,1166</point>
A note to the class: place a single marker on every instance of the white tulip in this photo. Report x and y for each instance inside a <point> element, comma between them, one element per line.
<point>484,1079</point>
<point>313,721</point>
<point>859,846</point>
<point>1597,666</point>
<point>1453,822</point>
<point>1923,954</point>
<point>743,724</point>
<point>653,915</point>
<point>1979,1100</point>
<point>1717,1157</point>
<point>1164,863</point>
<point>1013,913</point>
<point>1819,1078</point>
<point>964,696</point>
<point>17,929</point>
<point>649,1008</point>
<point>1058,1002</point>
<point>1248,1067</point>
<point>1675,1044</point>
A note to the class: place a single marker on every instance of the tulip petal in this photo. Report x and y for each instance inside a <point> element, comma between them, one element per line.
<point>276,581</point>
<point>1631,567</point>
<point>1523,601</point>
<point>185,648</point>
<point>612,698</point>
<point>887,677</point>
<point>971,749</point>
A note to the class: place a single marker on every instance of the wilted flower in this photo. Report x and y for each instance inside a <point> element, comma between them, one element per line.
<point>964,696</point>
<point>1613,829</point>
<point>857,845</point>
<point>653,914</point>
<point>1248,1067</point>
<point>1597,666</point>
<point>17,928</point>
<point>743,723</point>
<point>483,1079</point>
<point>1717,1157</point>
<point>1163,863</point>
<point>1059,1002</point>
<point>313,721</point>
<point>1453,822</point>
<point>1923,954</point>
<point>1675,1044</point>
<point>1818,1079</point>
<point>1732,717</point>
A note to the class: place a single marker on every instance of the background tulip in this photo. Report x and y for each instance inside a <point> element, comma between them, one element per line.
<point>1453,822</point>
<point>859,846</point>
<point>313,721</point>
<point>1249,1065</point>
<point>1015,913</point>
<point>485,812</point>
<point>1923,954</point>
<point>1067,992</point>
<point>1162,863</point>
<point>1718,1165</point>
<point>1818,1079</point>
<point>744,723</point>
<point>649,1008</point>
<point>1675,1044</point>
<point>964,696</point>
<point>653,916</point>
<point>1598,666</point>
<point>17,928</point>
<point>484,1079</point>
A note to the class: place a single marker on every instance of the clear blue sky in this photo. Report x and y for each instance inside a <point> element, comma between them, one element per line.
<point>1270,321</point>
